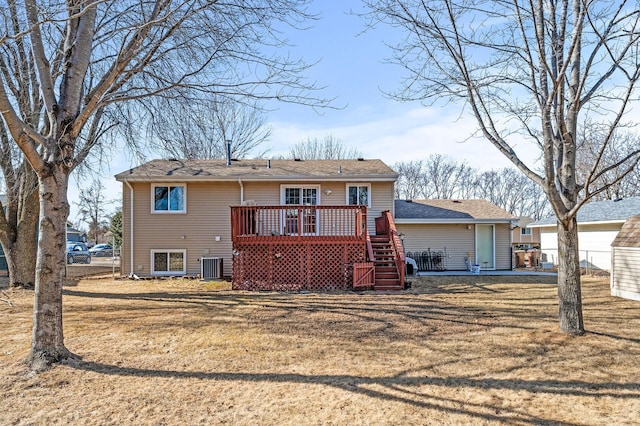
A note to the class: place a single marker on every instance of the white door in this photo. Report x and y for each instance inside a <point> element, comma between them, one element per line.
<point>485,247</point>
<point>301,221</point>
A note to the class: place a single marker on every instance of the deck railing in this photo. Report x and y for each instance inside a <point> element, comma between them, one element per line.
<point>256,224</point>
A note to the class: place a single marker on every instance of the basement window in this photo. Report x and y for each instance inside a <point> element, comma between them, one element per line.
<point>168,262</point>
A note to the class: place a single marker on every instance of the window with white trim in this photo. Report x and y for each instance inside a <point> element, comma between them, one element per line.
<point>525,231</point>
<point>169,198</point>
<point>359,194</point>
<point>168,262</point>
<point>298,221</point>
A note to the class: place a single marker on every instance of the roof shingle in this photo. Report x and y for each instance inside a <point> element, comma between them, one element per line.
<point>629,234</point>
<point>600,211</point>
<point>450,210</point>
<point>213,170</point>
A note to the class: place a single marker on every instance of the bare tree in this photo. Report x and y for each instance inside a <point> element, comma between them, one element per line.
<point>97,59</point>
<point>18,213</point>
<point>444,177</point>
<point>92,204</point>
<point>619,182</point>
<point>329,148</point>
<point>513,192</point>
<point>534,70</point>
<point>409,185</point>
<point>205,128</point>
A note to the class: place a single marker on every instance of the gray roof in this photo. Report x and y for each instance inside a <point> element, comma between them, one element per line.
<point>218,170</point>
<point>600,211</point>
<point>629,235</point>
<point>450,210</point>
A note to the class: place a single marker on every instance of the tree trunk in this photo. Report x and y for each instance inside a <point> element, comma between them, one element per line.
<point>47,345</point>
<point>569,294</point>
<point>21,253</point>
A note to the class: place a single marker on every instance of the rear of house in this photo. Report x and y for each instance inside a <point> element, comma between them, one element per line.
<point>177,214</point>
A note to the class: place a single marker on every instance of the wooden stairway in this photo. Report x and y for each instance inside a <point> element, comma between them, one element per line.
<point>387,276</point>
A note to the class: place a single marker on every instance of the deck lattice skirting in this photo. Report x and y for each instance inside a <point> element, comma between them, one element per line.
<point>298,266</point>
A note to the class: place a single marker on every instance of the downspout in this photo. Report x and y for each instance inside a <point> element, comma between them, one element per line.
<point>130,227</point>
<point>241,191</point>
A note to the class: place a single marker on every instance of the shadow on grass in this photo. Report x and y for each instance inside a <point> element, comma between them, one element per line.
<point>387,316</point>
<point>405,388</point>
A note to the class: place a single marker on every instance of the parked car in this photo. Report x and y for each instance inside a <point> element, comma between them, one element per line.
<point>100,250</point>
<point>78,253</point>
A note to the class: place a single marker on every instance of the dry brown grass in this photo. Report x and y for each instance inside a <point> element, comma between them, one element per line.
<point>458,350</point>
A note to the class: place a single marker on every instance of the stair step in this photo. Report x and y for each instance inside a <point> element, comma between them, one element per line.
<point>388,288</point>
<point>389,277</point>
<point>387,281</point>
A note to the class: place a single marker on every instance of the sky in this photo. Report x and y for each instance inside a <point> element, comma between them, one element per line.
<point>350,66</point>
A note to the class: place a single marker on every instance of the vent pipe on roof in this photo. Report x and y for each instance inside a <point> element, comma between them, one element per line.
<point>228,152</point>
<point>268,164</point>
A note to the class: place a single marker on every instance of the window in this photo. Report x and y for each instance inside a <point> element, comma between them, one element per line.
<point>168,262</point>
<point>358,194</point>
<point>298,221</point>
<point>307,196</point>
<point>169,199</point>
<point>525,231</point>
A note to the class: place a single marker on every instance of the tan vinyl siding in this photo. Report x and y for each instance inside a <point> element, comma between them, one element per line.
<point>503,246</point>
<point>125,254</point>
<point>195,231</point>
<point>381,200</point>
<point>533,238</point>
<point>457,241</point>
<point>268,193</point>
<point>208,215</point>
<point>626,270</point>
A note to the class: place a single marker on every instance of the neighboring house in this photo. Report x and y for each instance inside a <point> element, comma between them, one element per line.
<point>75,235</point>
<point>455,234</point>
<point>269,221</point>
<point>523,237</point>
<point>625,258</point>
<point>598,224</point>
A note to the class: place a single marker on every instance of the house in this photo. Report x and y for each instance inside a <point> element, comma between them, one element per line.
<point>455,234</point>
<point>523,237</point>
<point>75,235</point>
<point>625,260</point>
<point>269,224</point>
<point>598,224</point>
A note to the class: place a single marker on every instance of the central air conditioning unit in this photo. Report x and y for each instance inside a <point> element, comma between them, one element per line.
<point>211,268</point>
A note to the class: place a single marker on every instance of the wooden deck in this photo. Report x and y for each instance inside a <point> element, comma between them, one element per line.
<point>295,247</point>
<point>299,247</point>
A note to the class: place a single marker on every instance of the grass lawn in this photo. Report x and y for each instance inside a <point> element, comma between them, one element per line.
<point>452,350</point>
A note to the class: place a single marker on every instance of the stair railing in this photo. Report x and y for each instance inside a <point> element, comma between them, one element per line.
<point>386,225</point>
<point>370,254</point>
